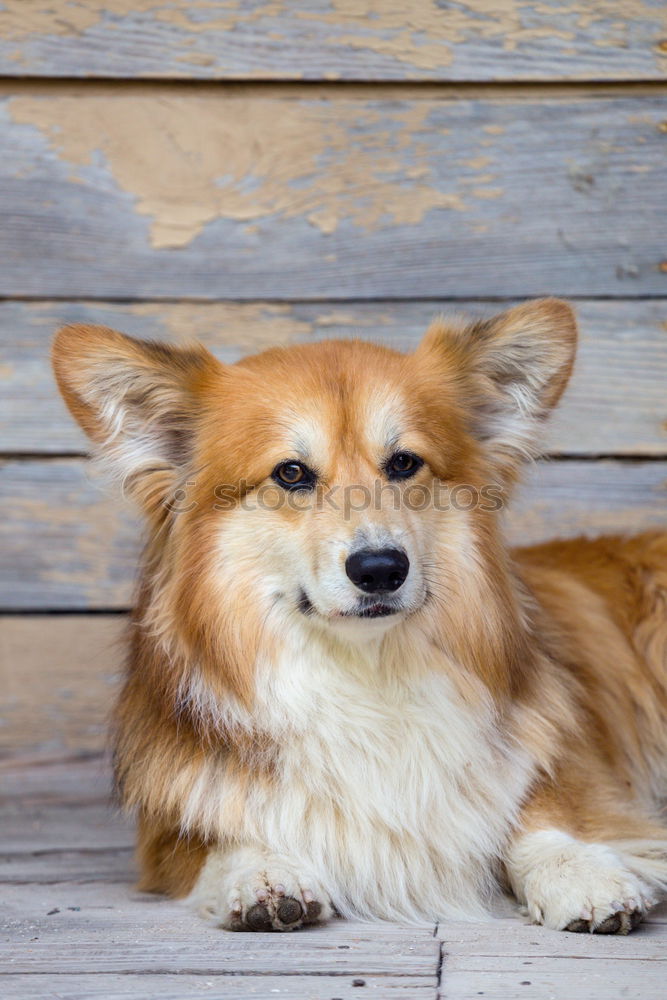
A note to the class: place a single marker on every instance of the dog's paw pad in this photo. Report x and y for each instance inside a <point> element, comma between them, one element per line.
<point>278,907</point>
<point>579,926</point>
<point>615,924</point>
<point>258,918</point>
<point>271,896</point>
<point>289,910</point>
<point>313,912</point>
<point>622,921</point>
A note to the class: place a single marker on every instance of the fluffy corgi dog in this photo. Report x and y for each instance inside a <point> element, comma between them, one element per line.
<point>343,693</point>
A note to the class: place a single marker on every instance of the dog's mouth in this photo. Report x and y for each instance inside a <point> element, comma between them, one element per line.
<point>376,610</point>
<point>364,609</point>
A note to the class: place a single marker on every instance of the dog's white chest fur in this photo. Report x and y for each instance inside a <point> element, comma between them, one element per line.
<point>390,784</point>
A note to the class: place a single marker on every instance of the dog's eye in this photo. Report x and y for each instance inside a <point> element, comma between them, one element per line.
<point>293,475</point>
<point>402,465</point>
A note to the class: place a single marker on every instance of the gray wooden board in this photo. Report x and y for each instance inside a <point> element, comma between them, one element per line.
<point>517,939</point>
<point>46,829</point>
<point>68,545</point>
<point>213,986</point>
<point>615,404</point>
<point>252,195</point>
<point>69,782</point>
<point>561,978</point>
<point>57,676</point>
<point>73,866</point>
<point>118,930</point>
<point>316,39</point>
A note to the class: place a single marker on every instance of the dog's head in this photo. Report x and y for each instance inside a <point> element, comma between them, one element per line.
<point>340,484</point>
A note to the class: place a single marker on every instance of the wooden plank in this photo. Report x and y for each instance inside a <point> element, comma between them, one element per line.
<point>121,931</point>
<point>516,941</point>
<point>510,959</point>
<point>214,986</point>
<point>48,781</point>
<point>319,40</point>
<point>75,867</point>
<point>615,403</point>
<point>125,931</point>
<point>53,805</point>
<point>57,677</point>
<point>68,546</point>
<point>549,978</point>
<point>566,499</point>
<point>46,829</point>
<point>329,196</point>
<point>49,835</point>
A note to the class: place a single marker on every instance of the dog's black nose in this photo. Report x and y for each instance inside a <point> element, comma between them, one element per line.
<point>377,571</point>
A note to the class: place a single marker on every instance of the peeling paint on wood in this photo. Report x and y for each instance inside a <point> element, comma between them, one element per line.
<point>115,194</point>
<point>68,546</point>
<point>187,165</point>
<point>335,39</point>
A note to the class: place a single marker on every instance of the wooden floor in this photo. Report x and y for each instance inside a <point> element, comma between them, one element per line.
<point>73,926</point>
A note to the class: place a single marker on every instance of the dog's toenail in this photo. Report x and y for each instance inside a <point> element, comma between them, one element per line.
<point>307,896</point>
<point>289,910</point>
<point>611,925</point>
<point>262,895</point>
<point>279,889</point>
<point>258,918</point>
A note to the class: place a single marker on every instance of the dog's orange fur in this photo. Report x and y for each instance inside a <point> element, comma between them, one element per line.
<point>569,639</point>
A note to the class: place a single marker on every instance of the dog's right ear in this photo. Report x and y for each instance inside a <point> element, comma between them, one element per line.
<point>137,401</point>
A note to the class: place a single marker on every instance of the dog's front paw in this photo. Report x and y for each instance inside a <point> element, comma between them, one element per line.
<point>253,890</point>
<point>585,888</point>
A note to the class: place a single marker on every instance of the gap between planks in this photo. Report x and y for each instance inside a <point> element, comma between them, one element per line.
<point>345,89</point>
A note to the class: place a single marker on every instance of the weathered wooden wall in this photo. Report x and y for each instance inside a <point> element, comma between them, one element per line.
<point>335,39</point>
<point>256,172</point>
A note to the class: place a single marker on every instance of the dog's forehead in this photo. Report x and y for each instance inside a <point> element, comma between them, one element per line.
<point>370,419</point>
<point>331,396</point>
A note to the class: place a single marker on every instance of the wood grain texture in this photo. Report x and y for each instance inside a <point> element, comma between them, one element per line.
<point>69,546</point>
<point>112,865</point>
<point>516,960</point>
<point>46,829</point>
<point>334,39</point>
<point>467,944</point>
<point>179,192</point>
<point>118,930</point>
<point>595,978</point>
<point>84,552</point>
<point>69,781</point>
<point>615,404</point>
<point>215,986</point>
<point>58,676</point>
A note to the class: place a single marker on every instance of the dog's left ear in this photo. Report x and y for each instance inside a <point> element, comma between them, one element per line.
<point>510,371</point>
